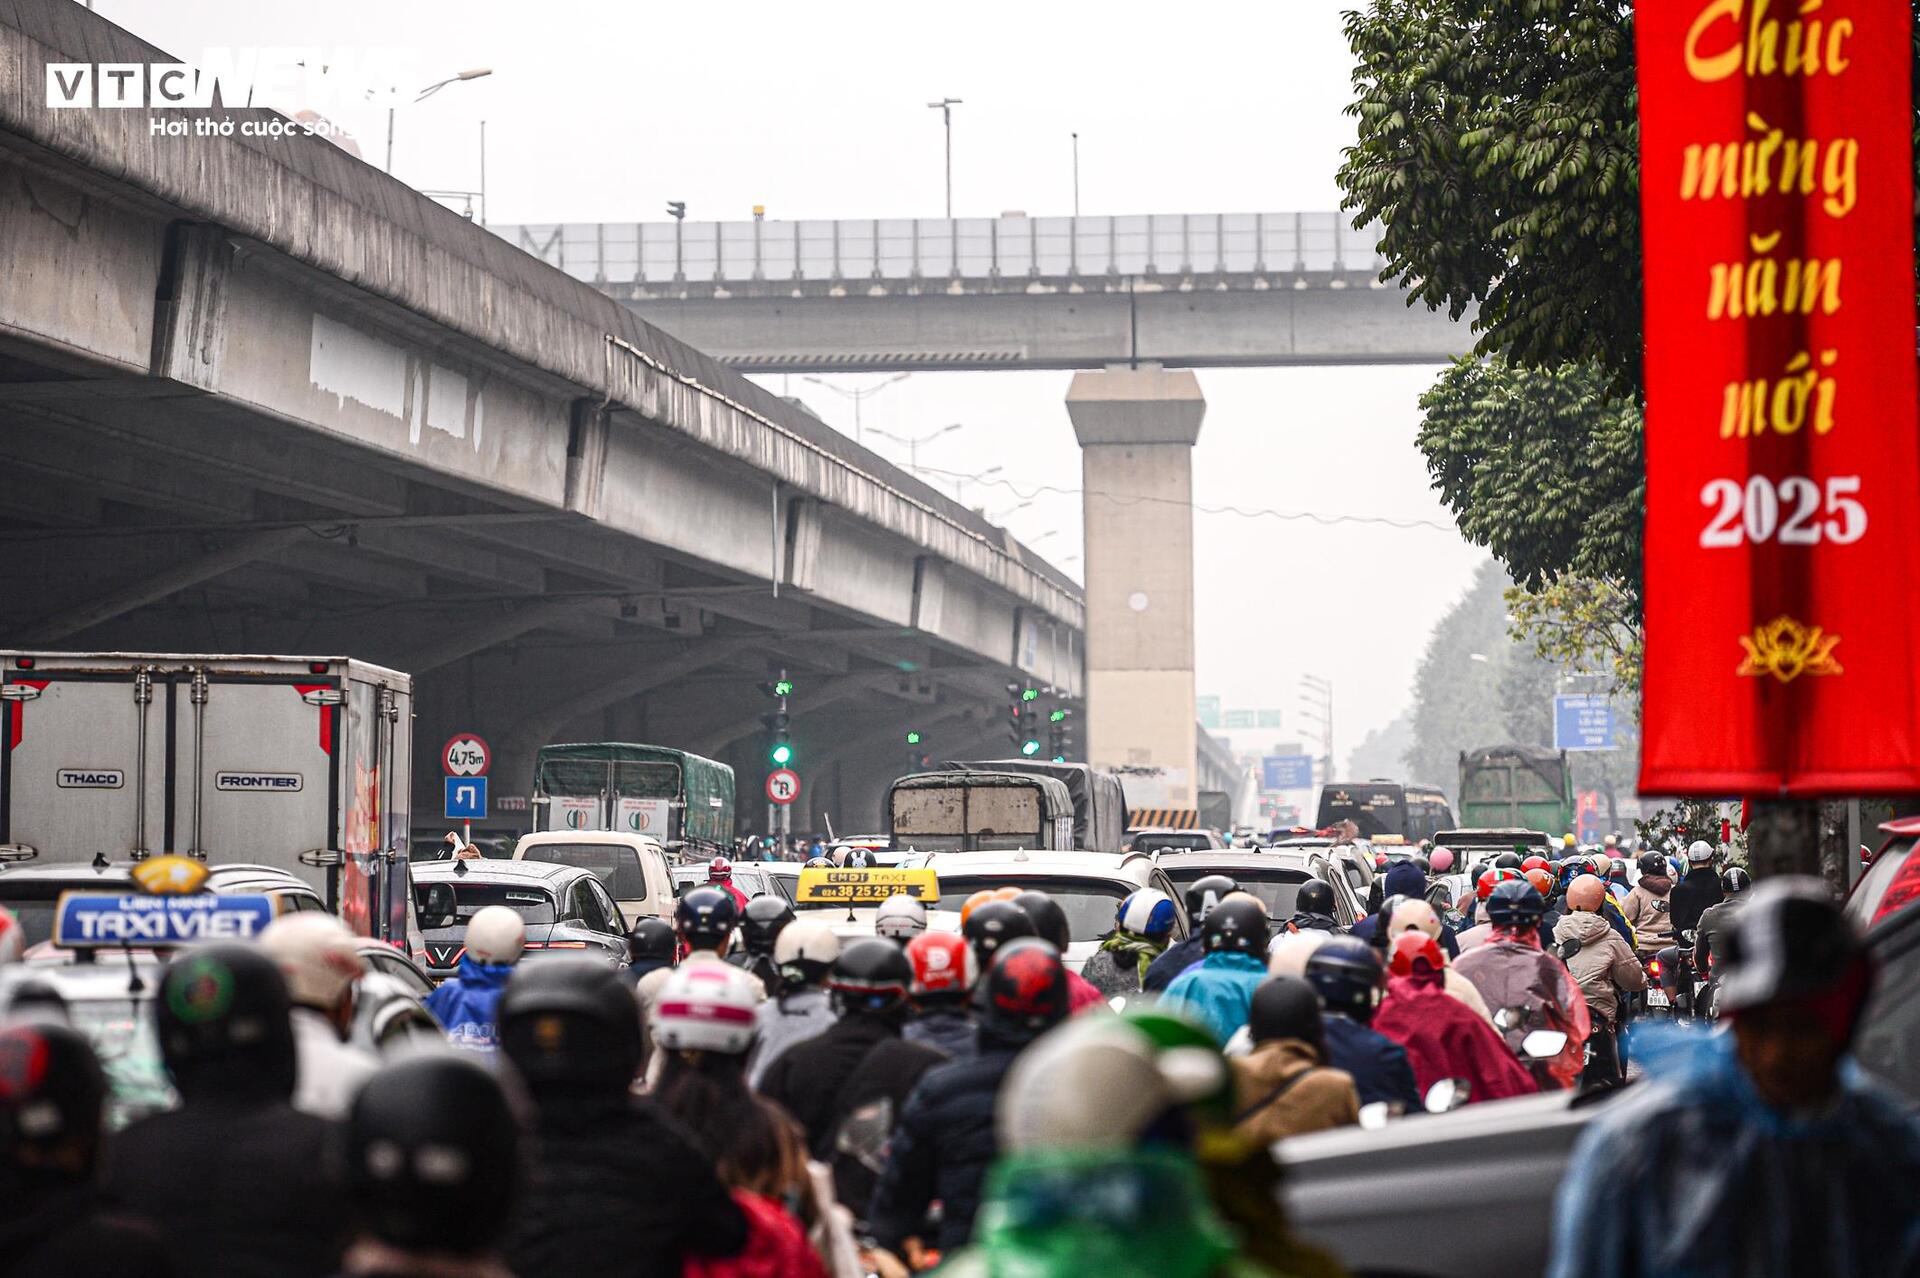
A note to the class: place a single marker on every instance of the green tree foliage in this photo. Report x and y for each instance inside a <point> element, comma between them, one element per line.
<point>1498,151</point>
<point>1541,467</point>
<point>1592,627</point>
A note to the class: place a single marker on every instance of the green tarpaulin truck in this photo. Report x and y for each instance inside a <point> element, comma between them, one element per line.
<point>1514,786</point>
<point>681,799</point>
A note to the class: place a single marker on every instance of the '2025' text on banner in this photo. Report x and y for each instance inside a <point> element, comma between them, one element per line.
<point>1783,472</point>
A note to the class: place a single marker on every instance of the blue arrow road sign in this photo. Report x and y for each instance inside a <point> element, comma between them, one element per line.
<point>466,798</point>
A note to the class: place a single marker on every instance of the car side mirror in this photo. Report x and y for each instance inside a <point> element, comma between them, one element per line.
<point>437,906</point>
<point>1543,1044</point>
<point>1448,1094</point>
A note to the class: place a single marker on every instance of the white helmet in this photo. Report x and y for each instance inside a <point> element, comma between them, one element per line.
<point>317,955</point>
<point>1414,914</point>
<point>706,1007</point>
<point>495,934</point>
<point>1699,852</point>
<point>805,951</point>
<point>1288,952</point>
<point>900,918</point>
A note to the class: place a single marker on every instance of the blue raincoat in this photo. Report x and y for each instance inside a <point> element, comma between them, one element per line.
<point>1218,991</point>
<point>466,1005</point>
<point>1696,1176</point>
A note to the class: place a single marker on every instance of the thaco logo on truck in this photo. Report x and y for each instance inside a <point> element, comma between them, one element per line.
<point>90,778</point>
<point>257,782</point>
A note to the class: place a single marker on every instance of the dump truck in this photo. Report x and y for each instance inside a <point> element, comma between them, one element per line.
<point>681,799</point>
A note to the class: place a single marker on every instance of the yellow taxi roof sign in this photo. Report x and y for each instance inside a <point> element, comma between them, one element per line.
<point>864,887</point>
<point>169,875</point>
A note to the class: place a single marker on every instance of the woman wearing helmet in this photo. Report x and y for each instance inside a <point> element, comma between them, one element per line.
<point>944,974</point>
<point>720,875</point>
<point>799,1010</point>
<point>760,927</point>
<point>1513,973</point>
<point>703,920</point>
<point>703,1027</point>
<point>1418,916</point>
<point>1442,1038</point>
<point>1142,929</point>
<point>1349,978</point>
<point>1218,991</point>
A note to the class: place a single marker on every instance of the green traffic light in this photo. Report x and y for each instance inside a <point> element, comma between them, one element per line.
<point>913,738</point>
<point>1058,716</point>
<point>1030,748</point>
<point>1059,758</point>
<point>783,688</point>
<point>783,754</point>
<point>1030,694</point>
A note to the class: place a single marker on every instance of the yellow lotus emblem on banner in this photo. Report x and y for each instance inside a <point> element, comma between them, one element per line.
<point>1787,649</point>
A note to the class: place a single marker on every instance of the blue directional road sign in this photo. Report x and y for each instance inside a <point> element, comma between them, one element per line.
<point>1286,772</point>
<point>1582,723</point>
<point>466,798</point>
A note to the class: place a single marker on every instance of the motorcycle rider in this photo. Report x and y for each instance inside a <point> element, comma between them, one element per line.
<point>720,875</point>
<point>617,1188</point>
<point>1202,895</point>
<point>651,946</point>
<point>319,961</point>
<point>703,920</point>
<point>465,1006</point>
<point>991,925</point>
<point>1284,1086</point>
<point>1513,973</point>
<point>236,1180</point>
<point>1765,1150</point>
<point>804,954</point>
<point>944,974</point>
<point>1347,975</point>
<point>1603,964</point>
<point>1050,925</point>
<point>52,1099</point>
<point>1418,916</point>
<point>433,1167</point>
<point>1142,929</point>
<point>760,926</point>
<point>1442,1038</point>
<point>945,1139</point>
<point>846,1085</point>
<point>1313,908</point>
<point>900,918</point>
<point>1698,890</point>
<point>1716,921</point>
<point>1404,880</point>
<point>1218,991</point>
<point>1648,908</point>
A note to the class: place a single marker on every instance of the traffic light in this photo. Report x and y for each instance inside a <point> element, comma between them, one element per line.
<point>913,738</point>
<point>1029,694</point>
<point>783,687</point>
<point>778,724</point>
<point>1016,707</point>
<point>1059,735</point>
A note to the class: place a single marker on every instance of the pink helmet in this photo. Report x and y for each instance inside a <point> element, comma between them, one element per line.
<point>719,870</point>
<point>1441,860</point>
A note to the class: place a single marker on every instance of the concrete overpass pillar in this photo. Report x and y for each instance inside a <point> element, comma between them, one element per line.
<point>1137,427</point>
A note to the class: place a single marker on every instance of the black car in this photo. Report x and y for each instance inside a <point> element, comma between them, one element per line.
<point>565,908</point>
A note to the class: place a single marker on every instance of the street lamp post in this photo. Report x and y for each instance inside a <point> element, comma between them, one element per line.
<point>1076,175</point>
<point>913,442</point>
<point>945,107</point>
<point>859,395</point>
<point>475,74</point>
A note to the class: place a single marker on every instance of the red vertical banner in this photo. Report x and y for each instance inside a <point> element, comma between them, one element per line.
<point>1783,469</point>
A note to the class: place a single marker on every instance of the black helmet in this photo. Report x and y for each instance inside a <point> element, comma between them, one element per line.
<point>1382,918</point>
<point>572,1023</point>
<point>1025,992</point>
<point>1789,941</point>
<point>760,925</point>
<point>1732,879</point>
<point>1420,860</point>
<point>1238,925</point>
<point>39,1001</point>
<point>1475,870</point>
<point>871,975</point>
<point>1508,861</point>
<point>992,924</point>
<point>1654,863</point>
<point>1049,920</point>
<point>1347,975</point>
<point>705,918</point>
<point>1206,892</point>
<point>1285,1007</point>
<point>223,1017</point>
<point>1314,897</point>
<point>52,1091</point>
<point>652,939</point>
<point>1516,903</point>
<point>433,1156</point>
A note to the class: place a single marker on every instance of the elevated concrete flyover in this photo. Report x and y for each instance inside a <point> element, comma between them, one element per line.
<point>1013,292</point>
<point>257,396</point>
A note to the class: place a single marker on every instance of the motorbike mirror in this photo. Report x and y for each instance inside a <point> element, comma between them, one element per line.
<point>1448,1094</point>
<point>1373,1117</point>
<point>1542,1044</point>
<point>1509,1018</point>
<point>1687,936</point>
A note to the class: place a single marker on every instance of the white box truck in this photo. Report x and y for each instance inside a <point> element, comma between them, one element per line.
<point>300,763</point>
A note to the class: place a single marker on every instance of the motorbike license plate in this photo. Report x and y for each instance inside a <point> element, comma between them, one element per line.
<point>1657,997</point>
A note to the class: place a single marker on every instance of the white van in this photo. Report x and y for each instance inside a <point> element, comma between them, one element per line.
<point>632,867</point>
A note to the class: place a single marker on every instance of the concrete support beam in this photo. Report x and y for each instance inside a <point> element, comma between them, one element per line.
<point>467,636</point>
<point>158,585</point>
<point>1137,428</point>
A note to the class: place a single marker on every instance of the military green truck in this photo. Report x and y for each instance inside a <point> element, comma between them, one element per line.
<point>683,800</point>
<point>1516,787</point>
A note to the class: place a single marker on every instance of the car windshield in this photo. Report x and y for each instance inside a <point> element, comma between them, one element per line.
<point>1089,904</point>
<point>534,905</point>
<point>1891,882</point>
<point>1275,888</point>
<point>123,1037</point>
<point>617,867</point>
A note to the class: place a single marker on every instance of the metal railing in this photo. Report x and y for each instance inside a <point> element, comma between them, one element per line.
<point>968,248</point>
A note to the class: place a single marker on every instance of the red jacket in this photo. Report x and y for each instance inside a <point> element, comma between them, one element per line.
<point>1444,1039</point>
<point>1083,994</point>
<point>776,1247</point>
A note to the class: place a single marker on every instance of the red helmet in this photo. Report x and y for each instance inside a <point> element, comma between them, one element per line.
<point>1412,947</point>
<point>943,963</point>
<point>719,870</point>
<point>1492,879</point>
<point>1536,863</point>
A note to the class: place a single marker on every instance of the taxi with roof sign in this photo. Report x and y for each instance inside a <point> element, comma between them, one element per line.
<point>848,900</point>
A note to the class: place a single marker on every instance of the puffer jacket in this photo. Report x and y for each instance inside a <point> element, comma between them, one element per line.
<point>1282,1089</point>
<point>1218,993</point>
<point>618,1189</point>
<point>781,1022</point>
<point>465,1005</point>
<point>1602,966</point>
<point>1651,917</point>
<point>941,1150</point>
<point>1511,970</point>
<point>1178,958</point>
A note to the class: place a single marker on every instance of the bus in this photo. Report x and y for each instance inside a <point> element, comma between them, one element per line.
<point>1386,810</point>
